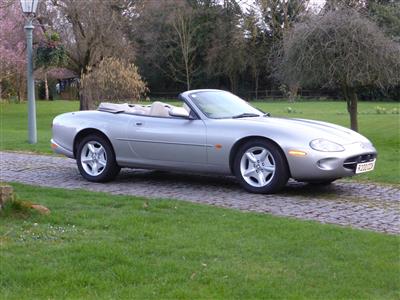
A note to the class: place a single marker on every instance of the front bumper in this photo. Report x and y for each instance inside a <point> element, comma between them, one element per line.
<point>61,150</point>
<point>318,165</point>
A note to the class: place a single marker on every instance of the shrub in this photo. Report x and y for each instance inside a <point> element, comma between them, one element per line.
<point>290,110</point>
<point>114,80</point>
<point>380,110</point>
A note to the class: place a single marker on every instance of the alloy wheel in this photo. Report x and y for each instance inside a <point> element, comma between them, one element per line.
<point>93,158</point>
<point>257,166</point>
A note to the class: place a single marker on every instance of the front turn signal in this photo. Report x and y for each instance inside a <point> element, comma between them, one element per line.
<point>297,153</point>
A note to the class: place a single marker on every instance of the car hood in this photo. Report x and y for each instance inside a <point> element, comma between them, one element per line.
<point>313,129</point>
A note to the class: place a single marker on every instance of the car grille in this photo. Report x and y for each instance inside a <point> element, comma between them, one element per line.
<point>351,163</point>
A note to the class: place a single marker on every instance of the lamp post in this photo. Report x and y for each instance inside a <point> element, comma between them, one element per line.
<point>29,9</point>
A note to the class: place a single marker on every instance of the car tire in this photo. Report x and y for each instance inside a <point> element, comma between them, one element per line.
<point>260,167</point>
<point>96,159</point>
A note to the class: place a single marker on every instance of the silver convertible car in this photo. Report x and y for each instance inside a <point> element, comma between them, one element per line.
<point>213,132</point>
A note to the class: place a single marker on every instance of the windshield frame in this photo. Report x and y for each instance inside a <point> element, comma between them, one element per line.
<point>194,101</point>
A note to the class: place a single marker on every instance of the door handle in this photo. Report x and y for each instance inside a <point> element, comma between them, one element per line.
<point>139,123</point>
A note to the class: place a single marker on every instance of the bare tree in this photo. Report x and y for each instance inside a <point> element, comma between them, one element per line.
<point>92,30</point>
<point>341,49</point>
<point>167,32</point>
<point>183,42</point>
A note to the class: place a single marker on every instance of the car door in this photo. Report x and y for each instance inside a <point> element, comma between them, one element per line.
<point>168,139</point>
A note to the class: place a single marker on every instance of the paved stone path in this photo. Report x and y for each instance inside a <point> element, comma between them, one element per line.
<point>360,205</point>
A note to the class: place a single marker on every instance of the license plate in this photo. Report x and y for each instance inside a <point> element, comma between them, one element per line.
<point>365,167</point>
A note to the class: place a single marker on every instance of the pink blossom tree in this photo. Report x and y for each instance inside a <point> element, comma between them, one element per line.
<point>12,48</point>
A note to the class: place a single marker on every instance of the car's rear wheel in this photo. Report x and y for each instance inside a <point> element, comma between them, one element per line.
<point>260,167</point>
<point>96,159</point>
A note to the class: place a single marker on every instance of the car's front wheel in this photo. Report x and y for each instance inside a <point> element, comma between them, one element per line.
<point>96,160</point>
<point>260,167</point>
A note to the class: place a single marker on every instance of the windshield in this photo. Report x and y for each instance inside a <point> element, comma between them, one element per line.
<point>220,104</point>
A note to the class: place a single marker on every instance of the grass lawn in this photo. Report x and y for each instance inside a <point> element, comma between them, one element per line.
<point>14,124</point>
<point>382,129</point>
<point>94,245</point>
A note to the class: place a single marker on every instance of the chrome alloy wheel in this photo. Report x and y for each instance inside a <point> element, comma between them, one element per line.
<point>257,166</point>
<point>93,158</point>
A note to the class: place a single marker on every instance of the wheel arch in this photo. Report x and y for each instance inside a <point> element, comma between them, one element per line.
<point>244,140</point>
<point>85,132</point>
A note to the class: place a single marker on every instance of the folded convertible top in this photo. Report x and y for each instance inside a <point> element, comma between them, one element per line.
<point>114,107</point>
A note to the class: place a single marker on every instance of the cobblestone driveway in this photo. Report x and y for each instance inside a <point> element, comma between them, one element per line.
<point>360,205</point>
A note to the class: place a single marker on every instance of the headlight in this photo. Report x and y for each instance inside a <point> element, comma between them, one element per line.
<point>325,146</point>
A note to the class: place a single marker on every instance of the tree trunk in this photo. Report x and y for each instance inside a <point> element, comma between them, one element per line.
<point>83,99</point>
<point>293,91</point>
<point>233,81</point>
<point>46,87</point>
<point>256,77</point>
<point>187,79</point>
<point>19,87</point>
<point>352,103</point>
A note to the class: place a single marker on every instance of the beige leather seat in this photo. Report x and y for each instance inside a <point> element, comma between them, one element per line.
<point>180,110</point>
<point>158,109</point>
<point>186,107</point>
<point>139,109</point>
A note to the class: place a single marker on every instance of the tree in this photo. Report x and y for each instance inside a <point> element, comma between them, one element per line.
<point>277,18</point>
<point>257,46</point>
<point>208,43</point>
<point>341,49</point>
<point>91,30</point>
<point>339,4</point>
<point>387,15</point>
<point>172,24</point>
<point>50,54</point>
<point>227,55</point>
<point>12,48</point>
<point>183,42</point>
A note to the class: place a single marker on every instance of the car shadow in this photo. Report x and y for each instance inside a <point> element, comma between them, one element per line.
<point>211,182</point>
